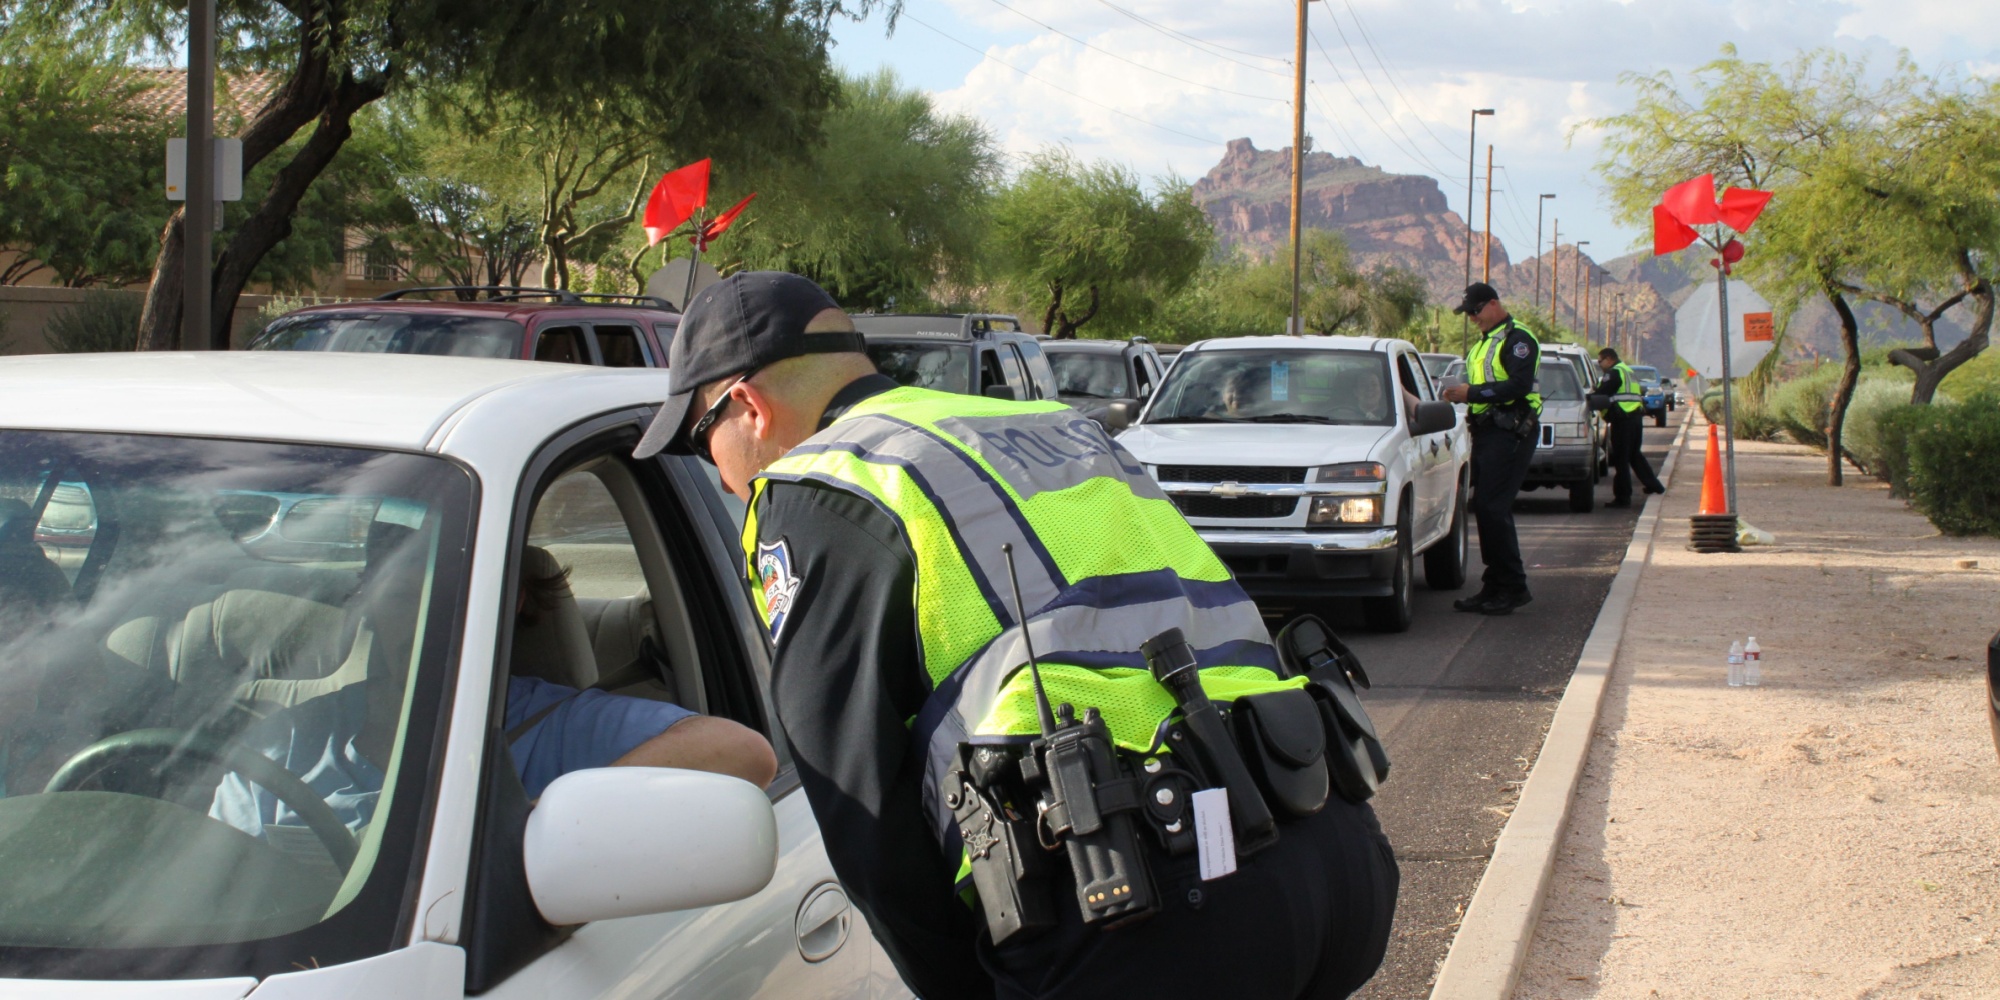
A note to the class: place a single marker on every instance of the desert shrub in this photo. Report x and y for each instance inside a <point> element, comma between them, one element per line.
<point>1799,405</point>
<point>100,321</point>
<point>1861,434</point>
<point>1980,375</point>
<point>1953,479</point>
<point>1890,432</point>
<point>1754,421</point>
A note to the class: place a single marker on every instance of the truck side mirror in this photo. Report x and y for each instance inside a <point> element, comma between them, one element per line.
<point>1119,414</point>
<point>1434,417</point>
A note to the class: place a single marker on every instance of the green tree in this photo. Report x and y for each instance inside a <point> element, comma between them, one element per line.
<point>732,74</point>
<point>1084,242</point>
<point>1236,295</point>
<point>81,173</point>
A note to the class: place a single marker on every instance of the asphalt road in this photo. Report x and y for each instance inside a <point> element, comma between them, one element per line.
<point>1463,702</point>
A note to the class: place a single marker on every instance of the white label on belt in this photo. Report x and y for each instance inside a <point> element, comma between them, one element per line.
<point>1214,837</point>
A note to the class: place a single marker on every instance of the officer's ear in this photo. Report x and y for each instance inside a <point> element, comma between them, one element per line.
<point>760,406</point>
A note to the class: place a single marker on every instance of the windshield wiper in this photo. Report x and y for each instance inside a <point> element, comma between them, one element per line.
<point>1197,420</point>
<point>1086,395</point>
<point>1292,418</point>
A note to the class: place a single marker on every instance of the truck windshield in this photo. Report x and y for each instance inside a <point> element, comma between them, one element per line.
<point>1646,374</point>
<point>1093,374</point>
<point>1276,386</point>
<point>944,367</point>
<point>221,665</point>
<point>393,333</point>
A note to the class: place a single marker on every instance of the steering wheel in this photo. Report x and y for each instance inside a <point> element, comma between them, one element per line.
<point>318,816</point>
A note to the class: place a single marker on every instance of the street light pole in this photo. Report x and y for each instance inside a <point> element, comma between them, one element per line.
<point>1539,202</point>
<point>1486,271</point>
<point>1576,280</point>
<point>1298,161</point>
<point>1555,270</point>
<point>1471,162</point>
<point>198,217</point>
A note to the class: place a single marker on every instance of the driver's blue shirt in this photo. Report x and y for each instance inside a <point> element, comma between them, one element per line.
<point>315,741</point>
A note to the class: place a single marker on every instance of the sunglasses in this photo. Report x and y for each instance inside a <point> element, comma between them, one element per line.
<point>698,434</point>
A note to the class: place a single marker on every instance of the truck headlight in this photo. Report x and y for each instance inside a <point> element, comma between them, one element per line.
<point>1351,472</point>
<point>1571,432</point>
<point>1345,510</point>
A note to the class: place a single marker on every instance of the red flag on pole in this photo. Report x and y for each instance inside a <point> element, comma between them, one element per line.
<point>674,199</point>
<point>1740,207</point>
<point>1692,201</point>
<point>1670,234</point>
<point>720,224</point>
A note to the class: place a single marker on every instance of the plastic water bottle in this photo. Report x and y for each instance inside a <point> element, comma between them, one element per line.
<point>1736,664</point>
<point>1753,663</point>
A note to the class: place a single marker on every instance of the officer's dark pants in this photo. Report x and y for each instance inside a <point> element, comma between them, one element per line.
<point>1627,460</point>
<point>1499,464</point>
<point>1307,917</point>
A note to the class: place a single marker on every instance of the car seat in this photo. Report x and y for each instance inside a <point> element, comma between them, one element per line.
<point>553,644</point>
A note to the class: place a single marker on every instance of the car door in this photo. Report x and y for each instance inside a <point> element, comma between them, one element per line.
<point>647,561</point>
<point>1437,480</point>
<point>565,344</point>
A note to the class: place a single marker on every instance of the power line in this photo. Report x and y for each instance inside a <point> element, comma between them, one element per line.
<point>1149,69</point>
<point>906,15</point>
<point>1389,112</point>
<point>1352,142</point>
<point>1414,155</point>
<point>1204,47</point>
<point>1391,76</point>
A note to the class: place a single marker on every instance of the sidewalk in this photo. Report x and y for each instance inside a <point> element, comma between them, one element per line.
<point>1834,833</point>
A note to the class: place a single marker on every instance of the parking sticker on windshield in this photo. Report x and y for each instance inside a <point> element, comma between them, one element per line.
<point>1281,381</point>
<point>774,573</point>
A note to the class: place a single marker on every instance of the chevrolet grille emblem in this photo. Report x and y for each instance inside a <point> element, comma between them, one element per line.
<point>1229,489</point>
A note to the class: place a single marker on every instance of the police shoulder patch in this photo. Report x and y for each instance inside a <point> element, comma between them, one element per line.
<point>1521,348</point>
<point>779,583</point>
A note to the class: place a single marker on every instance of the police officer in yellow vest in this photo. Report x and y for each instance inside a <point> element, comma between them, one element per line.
<point>1506,419</point>
<point>1626,416</point>
<point>882,521</point>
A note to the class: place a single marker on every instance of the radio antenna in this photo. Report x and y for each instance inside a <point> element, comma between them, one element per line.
<point>1046,716</point>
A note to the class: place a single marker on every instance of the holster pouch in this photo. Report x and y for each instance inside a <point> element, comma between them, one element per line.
<point>1355,758</point>
<point>1283,739</point>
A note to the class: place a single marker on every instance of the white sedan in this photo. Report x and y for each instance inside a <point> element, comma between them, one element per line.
<point>258,616</point>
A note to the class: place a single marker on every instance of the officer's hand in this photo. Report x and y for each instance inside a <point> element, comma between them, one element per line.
<point>1457,393</point>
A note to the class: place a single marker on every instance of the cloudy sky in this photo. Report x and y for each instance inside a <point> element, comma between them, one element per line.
<point>1161,84</point>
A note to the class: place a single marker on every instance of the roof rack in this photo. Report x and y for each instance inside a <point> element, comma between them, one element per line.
<point>518,293</point>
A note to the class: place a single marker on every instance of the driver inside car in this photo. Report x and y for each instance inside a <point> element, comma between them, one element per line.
<point>340,746</point>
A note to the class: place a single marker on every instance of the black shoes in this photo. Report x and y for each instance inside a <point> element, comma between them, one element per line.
<point>1476,601</point>
<point>1504,602</point>
<point>1651,490</point>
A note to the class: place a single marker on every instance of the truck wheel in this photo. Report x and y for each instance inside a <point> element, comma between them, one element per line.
<point>1392,613</point>
<point>1444,562</point>
<point>1660,419</point>
<point>1583,496</point>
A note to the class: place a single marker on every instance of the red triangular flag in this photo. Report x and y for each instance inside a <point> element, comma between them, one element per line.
<point>720,224</point>
<point>1670,234</point>
<point>1692,202</point>
<point>674,198</point>
<point>1740,207</point>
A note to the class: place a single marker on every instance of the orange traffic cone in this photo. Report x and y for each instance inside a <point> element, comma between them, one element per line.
<point>1714,499</point>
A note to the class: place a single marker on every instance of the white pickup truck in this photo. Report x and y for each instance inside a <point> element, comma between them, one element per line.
<point>1314,466</point>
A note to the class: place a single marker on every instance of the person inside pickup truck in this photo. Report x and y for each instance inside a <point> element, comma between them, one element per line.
<point>1242,390</point>
<point>340,743</point>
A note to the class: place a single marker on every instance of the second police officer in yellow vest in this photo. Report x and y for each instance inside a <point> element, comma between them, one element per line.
<point>881,524</point>
<point>1626,414</point>
<point>1505,412</point>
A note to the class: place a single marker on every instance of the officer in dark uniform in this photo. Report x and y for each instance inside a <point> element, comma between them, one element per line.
<point>1506,419</point>
<point>1627,416</point>
<point>771,385</point>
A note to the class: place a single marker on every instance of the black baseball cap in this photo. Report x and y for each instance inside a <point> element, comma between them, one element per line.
<point>737,325</point>
<point>1476,294</point>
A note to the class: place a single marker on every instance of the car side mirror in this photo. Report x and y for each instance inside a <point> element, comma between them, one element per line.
<point>1001,390</point>
<point>625,841</point>
<point>1434,417</point>
<point>1120,414</point>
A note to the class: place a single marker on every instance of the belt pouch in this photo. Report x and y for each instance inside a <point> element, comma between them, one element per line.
<point>1354,754</point>
<point>1283,740</point>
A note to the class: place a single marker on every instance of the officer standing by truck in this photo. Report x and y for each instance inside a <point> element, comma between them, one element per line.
<point>1505,412</point>
<point>1627,415</point>
<point>897,538</point>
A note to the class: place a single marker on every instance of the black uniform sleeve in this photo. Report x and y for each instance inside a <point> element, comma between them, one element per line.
<point>1608,385</point>
<point>847,680</point>
<point>1518,357</point>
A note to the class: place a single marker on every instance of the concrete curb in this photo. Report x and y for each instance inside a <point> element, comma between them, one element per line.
<point>1492,941</point>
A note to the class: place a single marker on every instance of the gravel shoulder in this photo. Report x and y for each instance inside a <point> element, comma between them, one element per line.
<point>1833,833</point>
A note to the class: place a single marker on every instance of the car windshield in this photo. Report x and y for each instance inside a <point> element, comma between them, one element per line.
<point>945,367</point>
<point>220,671</point>
<point>393,333</point>
<point>1276,386</point>
<point>1646,373</point>
<point>1094,374</point>
<point>1556,381</point>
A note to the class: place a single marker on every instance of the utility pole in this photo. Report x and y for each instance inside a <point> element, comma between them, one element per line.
<point>198,217</point>
<point>1576,281</point>
<point>1539,202</point>
<point>1486,274</point>
<point>1555,269</point>
<point>1297,326</point>
<point>1586,304</point>
<point>1471,161</point>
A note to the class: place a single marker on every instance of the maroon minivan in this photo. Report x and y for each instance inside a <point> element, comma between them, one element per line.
<point>536,324</point>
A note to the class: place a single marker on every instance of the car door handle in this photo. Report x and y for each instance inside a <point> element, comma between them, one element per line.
<point>823,921</point>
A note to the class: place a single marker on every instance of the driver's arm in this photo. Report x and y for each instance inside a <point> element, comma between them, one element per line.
<point>591,728</point>
<point>708,743</point>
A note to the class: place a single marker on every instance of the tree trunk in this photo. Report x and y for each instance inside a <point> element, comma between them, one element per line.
<point>1850,374</point>
<point>160,320</point>
<point>1055,309</point>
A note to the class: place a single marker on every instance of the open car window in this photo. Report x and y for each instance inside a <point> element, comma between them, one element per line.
<point>220,668</point>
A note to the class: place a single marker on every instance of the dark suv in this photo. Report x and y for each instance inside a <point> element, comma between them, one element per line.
<point>1094,376</point>
<point>535,324</point>
<point>976,354</point>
